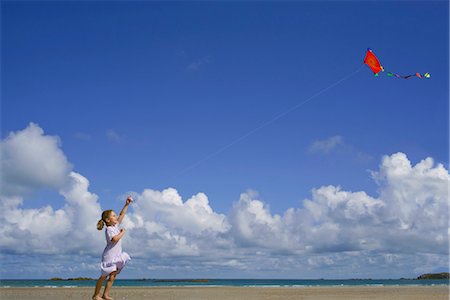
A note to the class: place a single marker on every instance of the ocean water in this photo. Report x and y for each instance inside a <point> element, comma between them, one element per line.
<point>5,283</point>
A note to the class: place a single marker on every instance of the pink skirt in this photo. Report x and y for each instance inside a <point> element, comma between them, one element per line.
<point>116,264</point>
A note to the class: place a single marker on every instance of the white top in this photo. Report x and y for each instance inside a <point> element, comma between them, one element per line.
<point>112,250</point>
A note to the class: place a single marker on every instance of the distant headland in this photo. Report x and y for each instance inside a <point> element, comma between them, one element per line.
<point>443,275</point>
<point>77,278</point>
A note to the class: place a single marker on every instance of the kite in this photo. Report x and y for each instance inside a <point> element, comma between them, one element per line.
<point>374,64</point>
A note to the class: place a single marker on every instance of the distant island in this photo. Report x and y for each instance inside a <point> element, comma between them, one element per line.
<point>77,278</point>
<point>443,275</point>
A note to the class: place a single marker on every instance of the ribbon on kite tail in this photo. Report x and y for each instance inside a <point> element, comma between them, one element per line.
<point>390,74</point>
<point>374,64</point>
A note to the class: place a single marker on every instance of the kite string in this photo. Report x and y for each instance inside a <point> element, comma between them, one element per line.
<point>265,124</point>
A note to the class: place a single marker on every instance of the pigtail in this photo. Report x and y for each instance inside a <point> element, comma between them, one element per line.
<point>100,224</point>
<point>105,214</point>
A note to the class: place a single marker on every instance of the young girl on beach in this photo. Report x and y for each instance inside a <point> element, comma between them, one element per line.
<point>113,259</point>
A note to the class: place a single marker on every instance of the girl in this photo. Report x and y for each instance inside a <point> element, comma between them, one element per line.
<point>113,259</point>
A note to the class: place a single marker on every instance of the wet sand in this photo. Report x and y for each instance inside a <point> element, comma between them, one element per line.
<point>229,293</point>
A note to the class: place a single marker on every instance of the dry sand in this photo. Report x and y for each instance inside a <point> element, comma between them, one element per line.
<point>229,293</point>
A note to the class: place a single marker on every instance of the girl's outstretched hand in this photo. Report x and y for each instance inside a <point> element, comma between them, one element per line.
<point>129,200</point>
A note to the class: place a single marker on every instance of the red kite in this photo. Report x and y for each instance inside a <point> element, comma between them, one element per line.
<point>372,61</point>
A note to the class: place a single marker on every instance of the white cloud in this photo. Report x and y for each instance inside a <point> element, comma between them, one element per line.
<point>403,227</point>
<point>70,229</point>
<point>417,202</point>
<point>173,227</point>
<point>194,66</point>
<point>254,225</point>
<point>31,160</point>
<point>325,146</point>
<point>113,136</point>
<point>83,211</point>
<point>166,207</point>
<point>337,145</point>
<point>409,216</point>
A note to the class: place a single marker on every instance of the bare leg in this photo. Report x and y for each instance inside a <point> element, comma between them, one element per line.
<point>108,286</point>
<point>98,287</point>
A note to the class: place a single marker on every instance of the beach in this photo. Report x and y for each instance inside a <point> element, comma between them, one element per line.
<point>232,293</point>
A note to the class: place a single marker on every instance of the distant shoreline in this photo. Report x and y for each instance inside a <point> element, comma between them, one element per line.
<point>426,276</point>
<point>421,277</point>
<point>292,283</point>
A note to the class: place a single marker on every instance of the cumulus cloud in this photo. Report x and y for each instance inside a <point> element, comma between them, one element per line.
<point>254,225</point>
<point>173,227</point>
<point>416,200</point>
<point>32,160</point>
<point>45,230</point>
<point>410,215</point>
<point>404,226</point>
<point>325,146</point>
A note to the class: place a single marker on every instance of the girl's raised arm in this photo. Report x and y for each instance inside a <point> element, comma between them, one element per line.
<point>124,209</point>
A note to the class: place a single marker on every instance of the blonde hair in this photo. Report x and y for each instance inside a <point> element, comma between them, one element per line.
<point>105,215</point>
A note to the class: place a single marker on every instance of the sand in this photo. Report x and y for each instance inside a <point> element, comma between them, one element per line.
<point>229,293</point>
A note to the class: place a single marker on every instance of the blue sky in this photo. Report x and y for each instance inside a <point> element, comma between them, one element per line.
<point>138,93</point>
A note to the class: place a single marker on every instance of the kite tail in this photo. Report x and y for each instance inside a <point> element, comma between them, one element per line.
<point>426,75</point>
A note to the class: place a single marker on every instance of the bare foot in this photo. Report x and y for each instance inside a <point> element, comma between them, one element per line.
<point>107,297</point>
<point>97,297</point>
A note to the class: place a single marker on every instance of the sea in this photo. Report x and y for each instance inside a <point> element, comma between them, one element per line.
<point>297,283</point>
